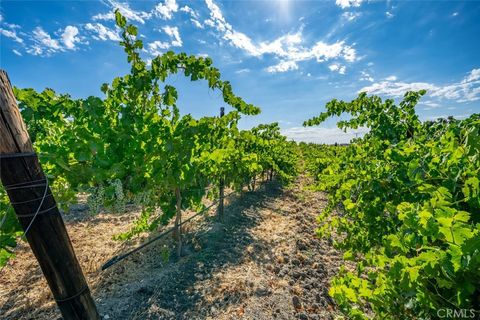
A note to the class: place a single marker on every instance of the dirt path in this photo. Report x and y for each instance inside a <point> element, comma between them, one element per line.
<point>263,262</point>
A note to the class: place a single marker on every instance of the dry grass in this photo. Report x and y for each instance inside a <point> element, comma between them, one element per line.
<point>242,269</point>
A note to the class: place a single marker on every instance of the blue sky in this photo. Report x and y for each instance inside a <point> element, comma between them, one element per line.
<point>288,57</point>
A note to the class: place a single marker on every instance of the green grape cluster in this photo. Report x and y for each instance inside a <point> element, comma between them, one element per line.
<point>96,200</point>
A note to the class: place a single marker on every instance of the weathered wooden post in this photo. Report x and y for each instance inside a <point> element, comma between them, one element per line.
<point>36,209</point>
<point>221,207</point>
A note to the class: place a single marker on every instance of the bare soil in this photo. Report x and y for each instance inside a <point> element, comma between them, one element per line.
<point>263,262</point>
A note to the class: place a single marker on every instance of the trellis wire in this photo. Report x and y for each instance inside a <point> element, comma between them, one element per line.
<point>121,257</point>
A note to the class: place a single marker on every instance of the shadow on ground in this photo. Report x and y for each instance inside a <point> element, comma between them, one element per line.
<point>167,290</point>
<point>263,262</point>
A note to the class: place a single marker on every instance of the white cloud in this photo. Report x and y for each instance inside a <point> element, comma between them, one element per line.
<point>348,3</point>
<point>12,25</point>
<point>174,34</point>
<point>336,67</point>
<point>101,32</point>
<point>69,37</point>
<point>209,23</point>
<point>129,13</point>
<point>190,11</point>
<point>389,15</point>
<point>473,76</point>
<point>467,90</point>
<point>350,16</point>
<point>197,23</point>
<point>454,14</point>
<point>430,105</point>
<point>194,16</point>
<point>366,76</point>
<point>104,16</point>
<point>242,71</point>
<point>125,10</point>
<point>163,10</point>
<point>17,52</point>
<point>156,47</point>
<point>287,48</point>
<point>35,50</point>
<point>44,38</point>
<point>322,135</point>
<point>167,9</point>
<point>396,89</point>
<point>391,78</point>
<point>43,43</point>
<point>283,66</point>
<point>11,34</point>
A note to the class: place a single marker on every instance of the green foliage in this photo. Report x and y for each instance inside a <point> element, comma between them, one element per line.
<point>132,145</point>
<point>409,194</point>
<point>10,229</point>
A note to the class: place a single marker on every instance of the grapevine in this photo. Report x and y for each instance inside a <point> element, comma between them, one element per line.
<point>409,193</point>
<point>133,145</point>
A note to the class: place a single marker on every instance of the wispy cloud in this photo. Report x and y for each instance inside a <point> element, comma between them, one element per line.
<point>287,48</point>
<point>173,33</point>
<point>467,90</point>
<point>283,66</point>
<point>69,37</point>
<point>12,34</point>
<point>125,10</point>
<point>100,32</point>
<point>323,135</point>
<point>12,25</point>
<point>44,44</point>
<point>156,47</point>
<point>245,70</point>
<point>167,9</point>
<point>431,104</point>
<point>190,11</point>
<point>396,89</point>
<point>348,3</point>
<point>338,68</point>
<point>366,76</point>
<point>194,16</point>
<point>350,16</point>
<point>104,16</point>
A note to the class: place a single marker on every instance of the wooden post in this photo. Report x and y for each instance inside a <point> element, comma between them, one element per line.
<point>26,185</point>
<point>221,205</point>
